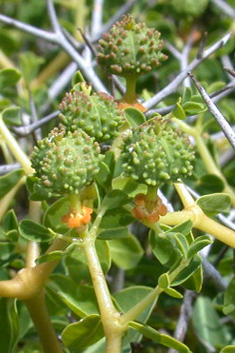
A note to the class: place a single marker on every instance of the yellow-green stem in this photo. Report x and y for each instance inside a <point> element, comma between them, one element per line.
<point>6,200</point>
<point>130,95</point>
<point>40,316</point>
<point>134,312</point>
<point>206,156</point>
<point>14,147</point>
<point>33,248</point>
<point>109,315</point>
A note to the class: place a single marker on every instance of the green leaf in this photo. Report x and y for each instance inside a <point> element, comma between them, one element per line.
<point>210,183</point>
<point>173,293</point>
<point>229,299</point>
<point>115,199</point>
<point>126,299</point>
<point>103,174</point>
<point>34,231</point>
<point>12,116</point>
<point>80,298</point>
<point>9,180</point>
<point>30,64</point>
<point>156,336</point>
<point>9,326</point>
<point>129,186</point>
<point>134,116</point>
<point>10,225</point>
<point>193,108</point>
<point>187,94</point>
<point>207,323</point>
<point>182,244</point>
<point>113,233</point>
<point>126,252</point>
<point>52,256</point>
<point>178,111</point>
<point>54,213</point>
<point>8,77</point>
<point>10,221</point>
<point>183,228</point>
<point>83,333</point>
<point>228,349</point>
<point>117,217</point>
<point>165,248</point>
<point>77,78</point>
<point>188,271</point>
<point>215,203</point>
<point>164,281</point>
<point>199,244</point>
<point>76,260</point>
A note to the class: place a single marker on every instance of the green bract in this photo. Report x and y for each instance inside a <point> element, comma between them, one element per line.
<point>130,48</point>
<point>64,164</point>
<point>153,154</point>
<point>193,8</point>
<point>96,114</point>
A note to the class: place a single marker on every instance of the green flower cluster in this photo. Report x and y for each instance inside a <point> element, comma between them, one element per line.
<point>130,49</point>
<point>65,163</point>
<point>96,114</point>
<point>192,8</point>
<point>154,154</point>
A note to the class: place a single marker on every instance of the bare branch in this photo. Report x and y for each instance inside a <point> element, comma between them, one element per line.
<point>225,8</point>
<point>227,129</point>
<point>53,17</point>
<point>97,14</point>
<point>184,317</point>
<point>26,130</point>
<point>173,51</point>
<point>50,37</point>
<point>184,58</point>
<point>174,84</point>
<point>4,169</point>
<point>202,46</point>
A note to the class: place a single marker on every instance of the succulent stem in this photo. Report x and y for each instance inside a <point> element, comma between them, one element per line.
<point>130,95</point>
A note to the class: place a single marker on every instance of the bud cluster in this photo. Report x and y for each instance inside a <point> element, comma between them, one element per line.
<point>65,163</point>
<point>153,154</point>
<point>130,49</point>
<point>96,114</point>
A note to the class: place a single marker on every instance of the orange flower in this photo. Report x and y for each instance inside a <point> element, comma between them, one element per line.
<point>149,210</point>
<point>76,220</point>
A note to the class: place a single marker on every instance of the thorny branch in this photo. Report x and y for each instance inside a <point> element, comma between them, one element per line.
<point>182,75</point>
<point>228,131</point>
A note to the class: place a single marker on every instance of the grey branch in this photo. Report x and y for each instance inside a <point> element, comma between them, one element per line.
<point>28,129</point>
<point>96,22</point>
<point>227,129</point>
<point>48,36</point>
<point>225,7</point>
<point>8,168</point>
<point>195,63</point>
<point>184,317</point>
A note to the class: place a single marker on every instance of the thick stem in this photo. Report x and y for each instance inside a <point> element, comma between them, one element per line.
<point>15,149</point>
<point>130,95</point>
<point>33,248</point>
<point>206,156</point>
<point>6,200</point>
<point>40,316</point>
<point>109,315</point>
<point>134,312</point>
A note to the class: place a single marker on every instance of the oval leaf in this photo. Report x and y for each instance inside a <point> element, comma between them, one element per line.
<point>215,203</point>
<point>156,336</point>
<point>8,181</point>
<point>33,231</point>
<point>83,333</point>
<point>134,116</point>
